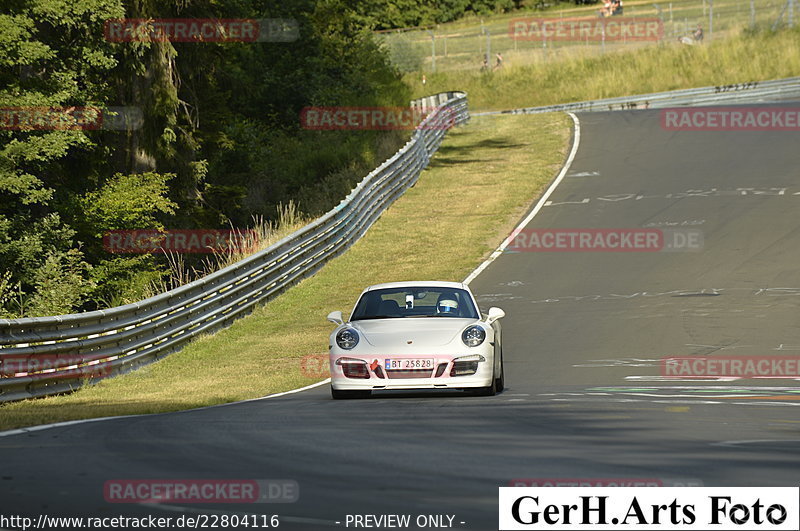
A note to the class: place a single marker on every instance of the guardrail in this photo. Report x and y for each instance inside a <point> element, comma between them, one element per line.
<point>757,91</point>
<point>61,353</point>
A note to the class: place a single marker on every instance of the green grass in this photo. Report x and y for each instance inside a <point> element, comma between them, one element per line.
<point>478,185</point>
<point>574,76</point>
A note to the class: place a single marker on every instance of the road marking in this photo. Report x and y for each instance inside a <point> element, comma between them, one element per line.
<point>718,347</point>
<point>687,380</point>
<point>688,223</point>
<point>687,395</point>
<point>769,292</point>
<point>713,192</point>
<point>582,202</point>
<point>510,238</point>
<point>755,441</point>
<point>624,362</point>
<point>585,174</point>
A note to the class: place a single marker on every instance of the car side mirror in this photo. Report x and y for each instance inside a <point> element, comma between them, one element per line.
<point>494,314</point>
<point>336,317</point>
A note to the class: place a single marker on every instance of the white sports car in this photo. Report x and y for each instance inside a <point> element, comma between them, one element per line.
<point>416,335</point>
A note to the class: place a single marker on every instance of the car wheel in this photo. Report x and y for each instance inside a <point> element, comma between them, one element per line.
<point>500,382</point>
<point>488,391</point>
<point>344,395</point>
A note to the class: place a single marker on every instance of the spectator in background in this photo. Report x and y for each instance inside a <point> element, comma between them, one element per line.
<point>616,7</point>
<point>499,62</point>
<point>605,11</point>
<point>698,34</point>
<point>424,80</point>
<point>485,65</point>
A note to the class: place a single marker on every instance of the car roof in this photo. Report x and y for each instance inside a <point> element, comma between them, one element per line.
<point>420,284</point>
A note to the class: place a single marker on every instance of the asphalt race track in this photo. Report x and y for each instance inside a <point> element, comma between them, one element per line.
<point>584,334</point>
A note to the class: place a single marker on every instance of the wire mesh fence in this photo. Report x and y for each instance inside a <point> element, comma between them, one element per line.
<point>525,38</point>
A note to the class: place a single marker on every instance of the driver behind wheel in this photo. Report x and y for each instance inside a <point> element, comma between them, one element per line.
<point>447,304</point>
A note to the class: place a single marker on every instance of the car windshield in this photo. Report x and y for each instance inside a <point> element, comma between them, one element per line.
<point>415,302</point>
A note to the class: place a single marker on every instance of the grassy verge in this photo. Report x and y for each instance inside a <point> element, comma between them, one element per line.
<point>578,75</point>
<point>478,185</point>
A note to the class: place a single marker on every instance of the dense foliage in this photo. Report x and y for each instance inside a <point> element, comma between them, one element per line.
<point>220,141</point>
<point>391,14</point>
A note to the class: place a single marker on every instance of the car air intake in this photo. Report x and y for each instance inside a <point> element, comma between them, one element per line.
<point>464,368</point>
<point>354,369</point>
<point>410,373</point>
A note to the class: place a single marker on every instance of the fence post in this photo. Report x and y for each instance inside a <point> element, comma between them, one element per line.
<point>488,48</point>
<point>710,19</point>
<point>480,40</point>
<point>603,36</point>
<point>433,50</point>
<point>544,45</point>
<point>780,17</point>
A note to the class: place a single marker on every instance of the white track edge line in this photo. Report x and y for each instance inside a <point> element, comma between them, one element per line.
<point>575,143</point>
<point>20,431</point>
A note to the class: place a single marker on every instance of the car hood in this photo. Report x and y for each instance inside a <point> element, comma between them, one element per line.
<point>422,331</point>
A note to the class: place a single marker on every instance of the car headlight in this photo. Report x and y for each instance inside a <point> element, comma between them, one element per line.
<point>473,336</point>
<point>347,338</point>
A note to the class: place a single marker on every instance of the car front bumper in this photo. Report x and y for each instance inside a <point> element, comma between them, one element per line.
<point>381,378</point>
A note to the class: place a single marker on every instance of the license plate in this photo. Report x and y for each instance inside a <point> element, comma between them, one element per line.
<point>406,364</point>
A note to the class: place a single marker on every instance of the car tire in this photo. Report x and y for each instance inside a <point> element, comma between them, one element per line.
<point>500,382</point>
<point>346,395</point>
<point>488,391</point>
